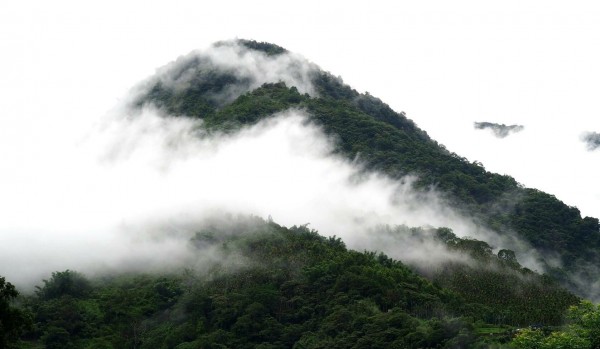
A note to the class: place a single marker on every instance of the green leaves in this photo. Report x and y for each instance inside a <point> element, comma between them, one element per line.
<point>13,320</point>
<point>64,283</point>
<point>582,333</point>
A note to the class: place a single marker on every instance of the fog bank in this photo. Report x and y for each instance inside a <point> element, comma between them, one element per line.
<point>129,192</point>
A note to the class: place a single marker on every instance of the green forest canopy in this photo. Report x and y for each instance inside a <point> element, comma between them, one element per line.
<point>298,289</point>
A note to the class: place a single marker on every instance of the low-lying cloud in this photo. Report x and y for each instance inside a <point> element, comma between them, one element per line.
<point>128,192</point>
<point>499,130</point>
<point>131,193</point>
<point>591,140</point>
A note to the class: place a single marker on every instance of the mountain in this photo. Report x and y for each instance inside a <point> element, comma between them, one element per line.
<point>265,285</point>
<point>384,141</point>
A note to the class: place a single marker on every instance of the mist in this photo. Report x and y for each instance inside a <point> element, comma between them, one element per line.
<point>129,191</point>
<point>243,69</point>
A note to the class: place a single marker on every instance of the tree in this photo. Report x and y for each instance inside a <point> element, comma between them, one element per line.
<point>13,321</point>
<point>586,320</point>
<point>62,283</point>
<point>509,257</point>
<point>535,339</point>
<point>582,333</point>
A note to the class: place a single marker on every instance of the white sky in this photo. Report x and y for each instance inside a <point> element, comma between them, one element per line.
<point>446,63</point>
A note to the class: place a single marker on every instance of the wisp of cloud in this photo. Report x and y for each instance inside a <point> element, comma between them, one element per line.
<point>128,196</point>
<point>592,140</point>
<point>499,130</point>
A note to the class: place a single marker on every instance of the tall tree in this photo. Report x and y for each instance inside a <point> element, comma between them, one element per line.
<point>13,321</point>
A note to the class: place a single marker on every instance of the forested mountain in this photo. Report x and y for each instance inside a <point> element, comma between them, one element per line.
<point>389,142</point>
<point>297,288</point>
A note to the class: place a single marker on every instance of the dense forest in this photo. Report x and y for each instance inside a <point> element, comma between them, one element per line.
<point>298,288</point>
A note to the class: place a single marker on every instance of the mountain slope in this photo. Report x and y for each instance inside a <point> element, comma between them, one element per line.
<point>295,288</point>
<point>382,140</point>
<point>258,284</point>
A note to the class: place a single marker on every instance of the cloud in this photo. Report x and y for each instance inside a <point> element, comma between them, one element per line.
<point>130,192</point>
<point>242,69</point>
<point>592,140</point>
<point>499,130</point>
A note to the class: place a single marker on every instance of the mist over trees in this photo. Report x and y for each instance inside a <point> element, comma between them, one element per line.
<point>298,288</point>
<point>388,142</point>
<point>269,286</point>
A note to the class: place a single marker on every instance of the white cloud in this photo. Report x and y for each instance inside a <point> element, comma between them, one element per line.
<point>130,193</point>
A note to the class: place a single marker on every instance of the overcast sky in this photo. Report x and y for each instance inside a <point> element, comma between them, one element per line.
<point>446,64</point>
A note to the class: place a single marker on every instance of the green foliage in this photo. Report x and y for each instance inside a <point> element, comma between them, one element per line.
<point>582,333</point>
<point>585,319</point>
<point>64,283</point>
<point>254,106</point>
<point>341,298</point>
<point>562,225</point>
<point>268,48</point>
<point>207,89</point>
<point>536,339</point>
<point>71,312</point>
<point>497,289</point>
<point>13,320</point>
<point>297,289</point>
<point>509,258</point>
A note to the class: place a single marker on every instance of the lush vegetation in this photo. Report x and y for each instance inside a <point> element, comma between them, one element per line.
<point>295,289</point>
<point>498,289</point>
<point>583,331</point>
<point>268,48</point>
<point>13,320</point>
<point>495,289</point>
<point>277,287</point>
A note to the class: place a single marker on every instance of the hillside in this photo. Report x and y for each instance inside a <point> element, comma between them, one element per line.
<point>253,283</point>
<point>388,142</point>
<point>295,288</point>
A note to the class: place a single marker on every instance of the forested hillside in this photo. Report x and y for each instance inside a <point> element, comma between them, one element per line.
<point>296,289</point>
<point>270,286</point>
<point>383,140</point>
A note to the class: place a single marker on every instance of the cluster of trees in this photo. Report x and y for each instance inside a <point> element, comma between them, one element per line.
<point>510,294</point>
<point>296,289</point>
<point>13,320</point>
<point>493,285</point>
<point>267,48</point>
<point>582,332</point>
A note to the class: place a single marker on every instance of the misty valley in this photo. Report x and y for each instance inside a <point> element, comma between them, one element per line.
<point>257,201</point>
